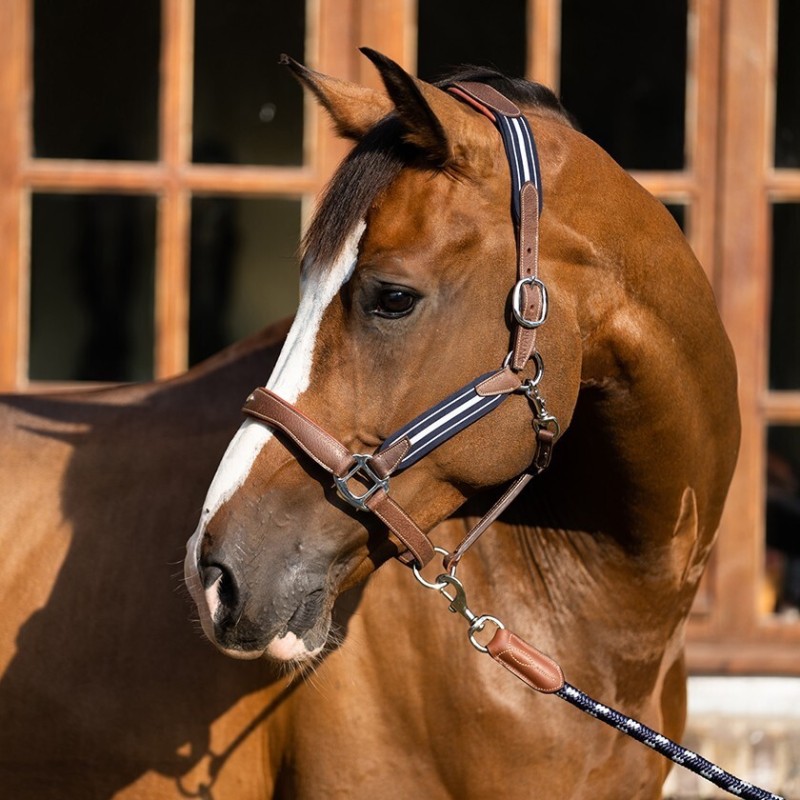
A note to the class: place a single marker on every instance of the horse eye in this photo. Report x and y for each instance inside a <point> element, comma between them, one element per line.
<point>395,303</point>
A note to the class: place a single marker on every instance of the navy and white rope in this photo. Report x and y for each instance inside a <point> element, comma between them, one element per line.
<point>666,747</point>
<point>443,421</point>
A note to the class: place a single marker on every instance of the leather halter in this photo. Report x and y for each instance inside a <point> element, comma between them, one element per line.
<point>363,480</point>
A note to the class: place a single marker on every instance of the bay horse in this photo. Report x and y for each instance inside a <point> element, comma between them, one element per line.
<point>406,275</point>
<point>106,690</point>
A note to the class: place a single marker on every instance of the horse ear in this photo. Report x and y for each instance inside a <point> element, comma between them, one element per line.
<point>354,109</point>
<point>434,120</point>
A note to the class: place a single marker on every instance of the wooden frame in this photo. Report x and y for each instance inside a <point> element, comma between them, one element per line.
<point>737,637</point>
<point>727,184</point>
<point>695,185</point>
<point>174,178</point>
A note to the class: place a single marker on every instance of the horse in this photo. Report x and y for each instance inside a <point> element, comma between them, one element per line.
<point>405,298</point>
<point>106,689</point>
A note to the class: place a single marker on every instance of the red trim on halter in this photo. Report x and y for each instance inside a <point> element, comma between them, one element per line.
<point>462,95</point>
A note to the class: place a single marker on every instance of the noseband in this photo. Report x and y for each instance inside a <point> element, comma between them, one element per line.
<point>371,472</point>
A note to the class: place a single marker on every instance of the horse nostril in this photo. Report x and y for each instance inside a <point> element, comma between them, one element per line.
<point>222,578</point>
<point>211,574</point>
<point>228,591</point>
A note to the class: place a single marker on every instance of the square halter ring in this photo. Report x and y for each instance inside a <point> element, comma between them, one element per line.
<point>361,469</point>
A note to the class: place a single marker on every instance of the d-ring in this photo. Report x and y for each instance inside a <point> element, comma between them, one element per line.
<point>439,585</point>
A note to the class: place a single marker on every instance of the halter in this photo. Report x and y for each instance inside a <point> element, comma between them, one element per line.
<point>529,305</point>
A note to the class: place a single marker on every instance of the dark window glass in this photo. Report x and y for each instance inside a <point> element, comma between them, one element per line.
<point>453,32</point>
<point>781,591</point>
<point>787,111</point>
<point>784,352</point>
<point>679,213</point>
<point>623,76</point>
<point>244,270</point>
<point>247,108</point>
<point>91,294</point>
<point>95,71</point>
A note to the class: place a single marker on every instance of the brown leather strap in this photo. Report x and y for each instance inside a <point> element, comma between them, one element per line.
<point>487,96</point>
<point>530,665</point>
<point>528,269</point>
<point>418,546</point>
<point>329,453</point>
<point>504,381</point>
<point>335,458</point>
<point>505,500</point>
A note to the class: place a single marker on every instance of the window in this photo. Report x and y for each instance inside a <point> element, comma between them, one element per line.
<point>157,169</point>
<point>158,180</point>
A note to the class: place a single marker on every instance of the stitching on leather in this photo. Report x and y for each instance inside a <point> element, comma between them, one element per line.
<point>508,657</point>
<point>512,653</point>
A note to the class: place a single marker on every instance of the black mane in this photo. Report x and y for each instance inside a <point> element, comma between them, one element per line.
<point>518,90</point>
<point>380,155</point>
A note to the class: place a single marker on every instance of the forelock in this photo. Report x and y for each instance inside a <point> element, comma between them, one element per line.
<point>369,168</point>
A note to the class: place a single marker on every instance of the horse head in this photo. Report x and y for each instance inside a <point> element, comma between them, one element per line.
<point>406,298</point>
<point>405,285</point>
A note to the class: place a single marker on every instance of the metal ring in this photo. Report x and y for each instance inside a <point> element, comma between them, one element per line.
<point>439,585</point>
<point>477,626</point>
<point>530,383</point>
<point>516,302</point>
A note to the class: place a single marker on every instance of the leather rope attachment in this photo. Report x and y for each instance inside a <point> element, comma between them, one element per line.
<point>522,659</point>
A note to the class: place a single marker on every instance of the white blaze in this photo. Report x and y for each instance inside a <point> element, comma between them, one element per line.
<point>292,372</point>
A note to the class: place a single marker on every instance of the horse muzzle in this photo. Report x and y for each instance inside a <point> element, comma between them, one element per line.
<point>287,619</point>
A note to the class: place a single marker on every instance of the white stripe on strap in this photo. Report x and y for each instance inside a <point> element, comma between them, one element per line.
<point>443,421</point>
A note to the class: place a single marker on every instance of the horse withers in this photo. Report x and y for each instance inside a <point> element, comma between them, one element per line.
<point>405,298</point>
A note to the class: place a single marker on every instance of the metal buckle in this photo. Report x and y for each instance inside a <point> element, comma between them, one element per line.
<point>516,302</point>
<point>362,470</point>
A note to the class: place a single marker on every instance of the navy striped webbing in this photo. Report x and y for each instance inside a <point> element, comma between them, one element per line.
<point>465,407</point>
<point>443,421</point>
<point>522,157</point>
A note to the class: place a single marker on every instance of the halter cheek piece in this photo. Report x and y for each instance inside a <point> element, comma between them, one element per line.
<point>370,473</point>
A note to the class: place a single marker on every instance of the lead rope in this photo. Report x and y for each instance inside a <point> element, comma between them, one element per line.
<point>541,673</point>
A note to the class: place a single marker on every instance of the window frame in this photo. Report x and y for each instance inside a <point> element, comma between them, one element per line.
<point>173,179</point>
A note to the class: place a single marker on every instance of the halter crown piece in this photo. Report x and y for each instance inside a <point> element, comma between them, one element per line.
<point>371,472</point>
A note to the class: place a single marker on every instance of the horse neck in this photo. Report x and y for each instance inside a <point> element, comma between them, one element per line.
<point>653,438</point>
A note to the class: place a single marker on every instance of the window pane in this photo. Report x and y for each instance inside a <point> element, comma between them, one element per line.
<point>781,592</point>
<point>679,213</point>
<point>623,75</point>
<point>95,68</point>
<point>453,32</point>
<point>244,270</point>
<point>247,108</point>
<point>787,121</point>
<point>91,301</point>
<point>784,362</point>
